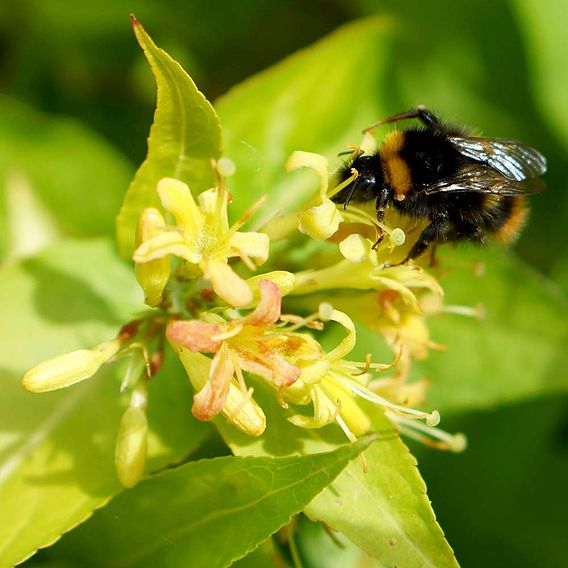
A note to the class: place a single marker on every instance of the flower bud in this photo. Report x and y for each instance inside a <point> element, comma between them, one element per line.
<point>65,370</point>
<point>154,275</point>
<point>131,441</point>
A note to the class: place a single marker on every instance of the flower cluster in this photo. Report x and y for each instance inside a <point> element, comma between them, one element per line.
<point>229,331</point>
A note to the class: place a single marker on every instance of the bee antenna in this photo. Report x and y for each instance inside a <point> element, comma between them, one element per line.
<point>350,195</point>
<point>346,152</point>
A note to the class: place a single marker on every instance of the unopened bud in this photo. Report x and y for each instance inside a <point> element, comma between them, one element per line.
<point>154,275</point>
<point>65,370</point>
<point>131,441</point>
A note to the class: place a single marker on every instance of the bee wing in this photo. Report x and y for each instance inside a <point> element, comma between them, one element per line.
<point>512,159</point>
<point>479,179</point>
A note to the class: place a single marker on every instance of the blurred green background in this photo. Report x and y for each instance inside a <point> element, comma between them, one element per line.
<point>76,105</point>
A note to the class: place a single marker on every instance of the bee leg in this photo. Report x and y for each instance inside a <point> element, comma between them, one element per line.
<point>433,258</point>
<point>427,117</point>
<point>380,204</point>
<point>436,232</point>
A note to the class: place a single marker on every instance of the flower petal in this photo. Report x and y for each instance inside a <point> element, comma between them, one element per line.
<point>316,162</point>
<point>283,373</point>
<point>195,335</point>
<point>152,276</point>
<point>213,204</point>
<point>320,222</point>
<point>227,284</point>
<point>284,280</point>
<point>347,344</point>
<point>273,368</point>
<point>177,199</point>
<point>169,242</point>
<point>255,245</point>
<point>268,310</point>
<point>355,248</point>
<point>209,401</point>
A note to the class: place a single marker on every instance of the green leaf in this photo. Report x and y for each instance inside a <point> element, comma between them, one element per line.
<point>385,511</point>
<point>547,45</point>
<point>56,178</point>
<point>317,100</point>
<point>184,138</point>
<point>57,449</point>
<point>206,513</point>
<point>517,460</point>
<point>316,547</point>
<point>517,351</point>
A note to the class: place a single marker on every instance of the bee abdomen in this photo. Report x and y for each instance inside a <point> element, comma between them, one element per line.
<point>506,218</point>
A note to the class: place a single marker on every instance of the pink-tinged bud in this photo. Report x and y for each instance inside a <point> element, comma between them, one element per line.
<point>65,370</point>
<point>131,441</point>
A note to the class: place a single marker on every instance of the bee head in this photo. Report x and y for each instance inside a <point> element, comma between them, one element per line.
<point>369,181</point>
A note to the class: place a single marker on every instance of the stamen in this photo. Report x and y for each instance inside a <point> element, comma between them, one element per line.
<point>228,334</point>
<point>432,419</point>
<point>366,367</point>
<point>429,436</point>
<point>308,321</point>
<point>241,221</point>
<point>246,260</point>
<point>352,438</point>
<point>354,175</point>
<point>238,372</point>
<point>477,311</point>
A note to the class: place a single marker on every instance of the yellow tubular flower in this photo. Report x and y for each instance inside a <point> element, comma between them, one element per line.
<point>202,237</point>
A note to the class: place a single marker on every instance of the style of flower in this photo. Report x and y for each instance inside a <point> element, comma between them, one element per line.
<point>203,239</point>
<point>252,343</point>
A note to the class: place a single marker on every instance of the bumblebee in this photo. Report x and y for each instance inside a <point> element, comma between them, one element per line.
<point>469,188</point>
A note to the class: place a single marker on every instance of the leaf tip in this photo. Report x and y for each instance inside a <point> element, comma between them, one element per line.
<point>134,21</point>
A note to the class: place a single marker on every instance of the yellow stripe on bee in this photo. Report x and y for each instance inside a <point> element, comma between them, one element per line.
<point>397,172</point>
<point>510,230</point>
